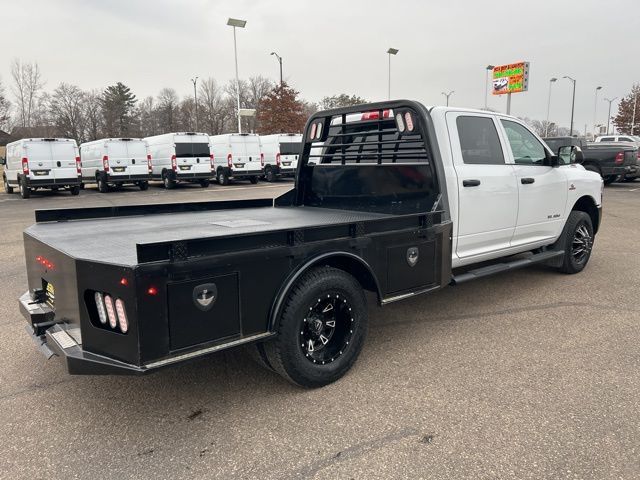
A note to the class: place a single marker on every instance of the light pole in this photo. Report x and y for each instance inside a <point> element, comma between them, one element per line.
<point>195,99</point>
<point>546,126</point>
<point>595,112</point>
<point>234,22</point>
<point>609,115</point>
<point>573,102</point>
<point>391,51</point>
<point>633,117</point>
<point>280,62</point>
<point>489,68</point>
<point>448,95</point>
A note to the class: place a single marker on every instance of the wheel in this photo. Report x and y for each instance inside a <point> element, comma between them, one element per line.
<point>321,329</point>
<point>7,188</point>
<point>223,178</point>
<point>577,241</point>
<point>103,186</point>
<point>609,179</point>
<point>253,180</point>
<point>143,186</point>
<point>168,182</point>
<point>74,190</point>
<point>25,192</point>
<point>82,186</point>
<point>269,176</point>
<point>204,183</point>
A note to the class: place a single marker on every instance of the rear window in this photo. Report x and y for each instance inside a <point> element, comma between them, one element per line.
<point>607,139</point>
<point>192,150</point>
<point>290,148</point>
<point>479,141</point>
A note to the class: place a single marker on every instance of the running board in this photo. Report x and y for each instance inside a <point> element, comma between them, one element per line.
<point>503,267</point>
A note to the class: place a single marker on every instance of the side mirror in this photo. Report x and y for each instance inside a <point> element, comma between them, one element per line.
<point>569,154</point>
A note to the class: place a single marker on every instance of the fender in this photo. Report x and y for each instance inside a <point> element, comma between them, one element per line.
<point>278,304</point>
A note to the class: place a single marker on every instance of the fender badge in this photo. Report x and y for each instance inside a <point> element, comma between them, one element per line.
<point>205,296</point>
<point>412,256</point>
<point>572,187</point>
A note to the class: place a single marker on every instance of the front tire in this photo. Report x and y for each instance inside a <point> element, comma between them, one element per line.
<point>103,186</point>
<point>321,329</point>
<point>577,241</point>
<point>269,176</point>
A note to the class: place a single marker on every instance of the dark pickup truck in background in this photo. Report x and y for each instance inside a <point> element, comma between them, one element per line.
<point>612,160</point>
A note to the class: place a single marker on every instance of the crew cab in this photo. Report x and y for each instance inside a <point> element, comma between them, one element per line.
<point>392,198</point>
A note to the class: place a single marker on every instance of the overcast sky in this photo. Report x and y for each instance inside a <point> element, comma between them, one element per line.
<point>333,46</point>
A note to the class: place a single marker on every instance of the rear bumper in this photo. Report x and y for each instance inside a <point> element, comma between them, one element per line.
<point>245,173</point>
<point>128,178</point>
<point>187,177</point>
<point>53,182</point>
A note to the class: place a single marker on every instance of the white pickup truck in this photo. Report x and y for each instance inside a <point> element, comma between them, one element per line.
<point>394,198</point>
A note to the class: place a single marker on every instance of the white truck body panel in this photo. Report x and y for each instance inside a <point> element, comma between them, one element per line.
<point>191,152</point>
<point>124,157</point>
<point>245,150</point>
<point>281,151</point>
<point>51,161</point>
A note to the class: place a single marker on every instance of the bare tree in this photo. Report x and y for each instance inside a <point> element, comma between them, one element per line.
<point>5,108</point>
<point>66,110</point>
<point>28,83</point>
<point>92,111</point>
<point>167,109</point>
<point>212,110</point>
<point>149,124</point>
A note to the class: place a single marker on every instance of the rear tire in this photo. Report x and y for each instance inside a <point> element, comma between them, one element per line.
<point>321,329</point>
<point>609,179</point>
<point>25,192</point>
<point>74,190</point>
<point>577,241</point>
<point>253,180</point>
<point>168,182</point>
<point>7,188</point>
<point>269,176</point>
<point>204,183</point>
<point>143,186</point>
<point>223,178</point>
<point>103,186</point>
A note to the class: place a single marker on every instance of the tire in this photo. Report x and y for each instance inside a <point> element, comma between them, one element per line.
<point>74,190</point>
<point>7,188</point>
<point>321,330</point>
<point>82,186</point>
<point>577,233</point>
<point>269,176</point>
<point>204,183</point>
<point>143,186</point>
<point>168,182</point>
<point>223,178</point>
<point>25,192</point>
<point>609,179</point>
<point>253,180</point>
<point>103,186</point>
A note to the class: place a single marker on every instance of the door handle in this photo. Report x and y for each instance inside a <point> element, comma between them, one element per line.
<point>527,180</point>
<point>470,183</point>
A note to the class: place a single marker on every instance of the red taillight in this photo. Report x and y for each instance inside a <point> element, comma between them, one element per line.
<point>149,166</point>
<point>105,163</point>
<point>262,159</point>
<point>277,158</point>
<point>211,160</point>
<point>124,282</point>
<point>230,160</point>
<point>25,166</point>
<point>78,166</point>
<point>174,164</point>
<point>619,158</point>
<point>152,291</point>
<point>375,115</point>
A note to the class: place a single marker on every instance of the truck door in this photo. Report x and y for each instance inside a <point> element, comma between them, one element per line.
<point>487,190</point>
<point>542,189</point>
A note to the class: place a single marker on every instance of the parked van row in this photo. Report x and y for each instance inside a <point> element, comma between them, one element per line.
<point>172,158</point>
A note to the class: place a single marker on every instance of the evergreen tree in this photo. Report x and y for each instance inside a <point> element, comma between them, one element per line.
<point>119,110</point>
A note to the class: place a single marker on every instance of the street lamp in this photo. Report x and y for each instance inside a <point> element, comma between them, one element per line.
<point>573,102</point>
<point>280,62</point>
<point>234,22</point>
<point>195,99</point>
<point>595,111</point>
<point>486,86</point>
<point>633,117</point>
<point>391,51</point>
<point>609,115</point>
<point>546,126</point>
<point>448,95</point>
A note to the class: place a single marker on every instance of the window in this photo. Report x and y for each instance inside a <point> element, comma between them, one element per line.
<point>479,141</point>
<point>192,150</point>
<point>526,148</point>
<point>607,139</point>
<point>625,139</point>
<point>290,148</point>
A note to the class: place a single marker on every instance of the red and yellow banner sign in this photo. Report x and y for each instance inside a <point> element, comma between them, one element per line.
<point>512,78</point>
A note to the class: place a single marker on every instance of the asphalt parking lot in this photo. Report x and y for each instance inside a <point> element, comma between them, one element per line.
<point>530,374</point>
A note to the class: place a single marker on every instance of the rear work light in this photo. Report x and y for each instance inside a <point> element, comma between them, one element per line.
<point>102,311</point>
<point>78,166</point>
<point>111,311</point>
<point>174,163</point>
<point>149,166</point>
<point>262,159</point>
<point>230,160</point>
<point>375,115</point>
<point>25,165</point>
<point>277,158</point>
<point>105,163</point>
<point>619,158</point>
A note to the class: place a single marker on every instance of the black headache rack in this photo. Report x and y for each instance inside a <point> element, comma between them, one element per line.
<point>367,197</point>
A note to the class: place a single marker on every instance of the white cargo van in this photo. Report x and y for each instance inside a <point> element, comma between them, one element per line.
<point>181,157</point>
<point>281,153</point>
<point>237,156</point>
<point>33,163</point>
<point>115,162</point>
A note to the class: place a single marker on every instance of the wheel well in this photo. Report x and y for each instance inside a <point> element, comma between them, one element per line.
<point>588,205</point>
<point>593,164</point>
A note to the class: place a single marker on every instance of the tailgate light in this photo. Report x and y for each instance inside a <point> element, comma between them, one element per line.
<point>400,123</point>
<point>375,115</point>
<point>149,166</point>
<point>262,159</point>
<point>105,163</point>
<point>25,165</point>
<point>211,161</point>
<point>111,311</point>
<point>78,166</point>
<point>102,311</point>
<point>230,160</point>
<point>122,316</point>
<point>277,158</point>
<point>408,119</point>
<point>619,158</point>
<point>174,163</point>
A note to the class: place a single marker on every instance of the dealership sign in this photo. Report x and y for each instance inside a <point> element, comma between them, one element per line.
<point>512,78</point>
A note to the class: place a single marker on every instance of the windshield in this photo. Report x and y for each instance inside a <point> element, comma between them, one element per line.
<point>192,150</point>
<point>290,148</point>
